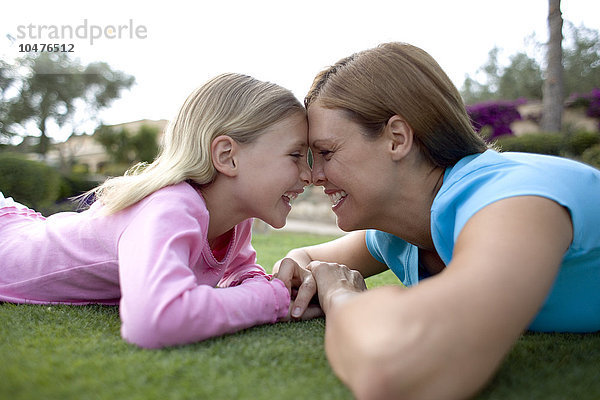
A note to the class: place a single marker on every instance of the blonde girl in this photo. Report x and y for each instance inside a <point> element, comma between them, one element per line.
<point>170,242</point>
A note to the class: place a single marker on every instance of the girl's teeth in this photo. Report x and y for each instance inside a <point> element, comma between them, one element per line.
<point>290,195</point>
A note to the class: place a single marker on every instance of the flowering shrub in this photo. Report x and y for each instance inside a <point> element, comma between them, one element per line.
<point>498,115</point>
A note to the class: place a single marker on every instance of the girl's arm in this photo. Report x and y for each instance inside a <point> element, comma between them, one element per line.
<point>350,250</point>
<point>299,281</point>
<point>163,303</point>
<point>446,337</point>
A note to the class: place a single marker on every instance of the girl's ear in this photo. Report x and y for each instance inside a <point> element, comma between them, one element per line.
<point>400,136</point>
<point>224,151</point>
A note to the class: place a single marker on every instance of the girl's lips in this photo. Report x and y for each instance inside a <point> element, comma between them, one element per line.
<point>289,196</point>
<point>287,201</point>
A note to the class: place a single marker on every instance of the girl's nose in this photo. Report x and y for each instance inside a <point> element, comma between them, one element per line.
<point>305,174</point>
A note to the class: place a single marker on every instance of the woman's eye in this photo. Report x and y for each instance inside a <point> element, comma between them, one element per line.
<point>297,155</point>
<point>325,153</point>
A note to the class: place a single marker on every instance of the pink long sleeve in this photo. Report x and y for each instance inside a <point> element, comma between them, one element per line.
<point>168,278</point>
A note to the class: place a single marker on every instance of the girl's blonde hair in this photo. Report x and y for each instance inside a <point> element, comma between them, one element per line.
<point>236,105</point>
<point>400,79</point>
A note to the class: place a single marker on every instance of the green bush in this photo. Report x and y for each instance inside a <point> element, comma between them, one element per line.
<point>76,184</point>
<point>29,182</point>
<point>592,156</point>
<point>555,144</point>
<point>542,143</point>
<point>112,170</point>
<point>579,142</point>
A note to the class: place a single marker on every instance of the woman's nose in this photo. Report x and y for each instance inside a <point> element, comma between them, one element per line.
<point>318,175</point>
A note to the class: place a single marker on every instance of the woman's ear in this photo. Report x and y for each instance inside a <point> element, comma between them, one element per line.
<point>400,136</point>
<point>224,152</point>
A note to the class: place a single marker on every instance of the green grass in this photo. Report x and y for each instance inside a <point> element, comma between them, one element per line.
<point>64,352</point>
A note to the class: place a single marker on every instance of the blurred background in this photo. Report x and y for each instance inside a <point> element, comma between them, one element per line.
<point>86,89</point>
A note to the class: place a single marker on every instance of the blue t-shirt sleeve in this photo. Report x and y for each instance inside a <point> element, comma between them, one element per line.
<point>491,177</point>
<point>372,245</point>
<point>400,256</point>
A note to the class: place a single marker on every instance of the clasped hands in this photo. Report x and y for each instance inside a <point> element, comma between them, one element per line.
<point>331,282</point>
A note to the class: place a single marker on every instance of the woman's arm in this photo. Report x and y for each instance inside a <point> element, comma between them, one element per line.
<point>350,250</point>
<point>446,337</point>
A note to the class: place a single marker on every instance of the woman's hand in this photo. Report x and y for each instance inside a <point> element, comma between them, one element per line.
<point>302,286</point>
<point>335,282</point>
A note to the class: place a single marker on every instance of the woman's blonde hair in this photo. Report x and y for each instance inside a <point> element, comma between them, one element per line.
<point>400,79</point>
<point>236,105</point>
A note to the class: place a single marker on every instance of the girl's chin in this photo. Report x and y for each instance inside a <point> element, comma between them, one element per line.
<point>278,222</point>
<point>278,225</point>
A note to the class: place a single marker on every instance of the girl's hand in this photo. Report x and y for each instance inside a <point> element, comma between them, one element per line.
<point>335,282</point>
<point>302,286</point>
<point>300,256</point>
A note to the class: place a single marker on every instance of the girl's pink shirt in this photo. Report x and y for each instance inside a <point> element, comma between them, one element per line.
<point>153,259</point>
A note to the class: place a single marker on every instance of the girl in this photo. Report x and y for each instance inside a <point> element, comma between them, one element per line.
<point>160,240</point>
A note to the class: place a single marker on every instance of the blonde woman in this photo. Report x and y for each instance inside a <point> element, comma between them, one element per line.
<point>489,244</point>
<point>160,240</point>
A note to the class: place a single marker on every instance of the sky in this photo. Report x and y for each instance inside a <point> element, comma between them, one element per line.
<point>173,46</point>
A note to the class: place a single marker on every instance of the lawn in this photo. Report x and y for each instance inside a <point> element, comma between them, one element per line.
<point>64,352</point>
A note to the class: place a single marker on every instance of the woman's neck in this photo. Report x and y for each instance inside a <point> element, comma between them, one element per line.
<point>409,216</point>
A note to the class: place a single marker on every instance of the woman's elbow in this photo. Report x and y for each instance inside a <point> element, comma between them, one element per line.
<point>379,354</point>
<point>376,365</point>
<point>364,349</point>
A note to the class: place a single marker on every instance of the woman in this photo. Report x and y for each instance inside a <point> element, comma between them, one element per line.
<point>491,243</point>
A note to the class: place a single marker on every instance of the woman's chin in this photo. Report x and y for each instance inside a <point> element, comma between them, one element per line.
<point>349,224</point>
<point>344,225</point>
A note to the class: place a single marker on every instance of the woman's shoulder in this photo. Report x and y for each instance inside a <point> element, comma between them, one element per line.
<point>491,176</point>
<point>493,171</point>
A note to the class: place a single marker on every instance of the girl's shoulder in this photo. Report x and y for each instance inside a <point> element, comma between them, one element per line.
<point>183,191</point>
<point>178,198</point>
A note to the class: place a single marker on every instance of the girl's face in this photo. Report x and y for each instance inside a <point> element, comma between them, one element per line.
<point>351,168</point>
<point>275,170</point>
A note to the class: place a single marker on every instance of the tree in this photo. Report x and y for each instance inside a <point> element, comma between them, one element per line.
<point>6,82</point>
<point>145,143</point>
<point>125,147</point>
<point>52,87</point>
<point>553,89</point>
<point>522,78</point>
<point>581,59</point>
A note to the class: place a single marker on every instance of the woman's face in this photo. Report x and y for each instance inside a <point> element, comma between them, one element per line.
<point>352,168</point>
